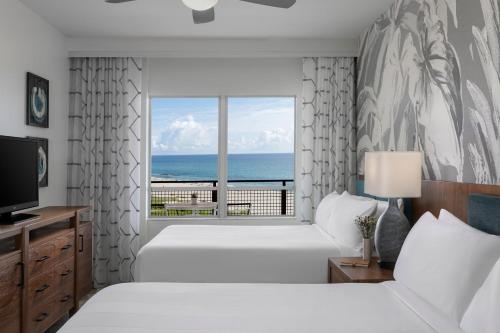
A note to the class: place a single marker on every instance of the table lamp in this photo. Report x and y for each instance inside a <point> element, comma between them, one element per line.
<point>392,175</point>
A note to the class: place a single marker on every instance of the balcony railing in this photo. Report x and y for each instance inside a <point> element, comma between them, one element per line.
<point>244,198</point>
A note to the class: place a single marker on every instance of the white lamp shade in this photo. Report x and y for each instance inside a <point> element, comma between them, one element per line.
<point>200,5</point>
<point>393,174</point>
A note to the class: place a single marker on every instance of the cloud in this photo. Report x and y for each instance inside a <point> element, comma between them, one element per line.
<point>194,134</point>
<point>265,141</point>
<point>184,136</point>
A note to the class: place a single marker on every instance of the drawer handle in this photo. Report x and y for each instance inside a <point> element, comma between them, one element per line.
<point>65,299</point>
<point>66,247</point>
<point>42,259</point>
<point>66,273</point>
<point>42,288</point>
<point>81,243</point>
<point>42,316</point>
<point>21,282</point>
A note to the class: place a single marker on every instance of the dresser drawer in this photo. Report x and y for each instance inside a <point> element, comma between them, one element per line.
<point>64,273</point>
<point>10,278</point>
<point>44,315</point>
<point>41,257</point>
<point>10,292</point>
<point>44,255</point>
<point>41,287</point>
<point>65,299</point>
<point>65,246</point>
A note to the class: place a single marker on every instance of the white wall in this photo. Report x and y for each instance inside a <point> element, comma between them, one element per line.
<point>27,43</point>
<point>219,77</point>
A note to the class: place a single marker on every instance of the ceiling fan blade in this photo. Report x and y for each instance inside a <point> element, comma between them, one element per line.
<point>274,3</point>
<point>118,1</point>
<point>203,16</point>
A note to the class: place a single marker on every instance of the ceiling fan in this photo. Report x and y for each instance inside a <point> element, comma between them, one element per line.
<point>203,10</point>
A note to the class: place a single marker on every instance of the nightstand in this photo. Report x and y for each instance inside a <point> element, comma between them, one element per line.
<point>348,274</point>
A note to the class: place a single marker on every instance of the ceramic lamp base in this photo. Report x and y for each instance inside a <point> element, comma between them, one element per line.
<point>390,235</point>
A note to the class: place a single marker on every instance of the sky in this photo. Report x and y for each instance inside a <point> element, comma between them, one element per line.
<point>189,126</point>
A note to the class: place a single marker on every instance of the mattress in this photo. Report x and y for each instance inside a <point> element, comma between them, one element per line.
<point>257,308</point>
<point>238,254</point>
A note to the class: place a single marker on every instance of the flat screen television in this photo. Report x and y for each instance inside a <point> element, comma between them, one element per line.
<point>18,178</point>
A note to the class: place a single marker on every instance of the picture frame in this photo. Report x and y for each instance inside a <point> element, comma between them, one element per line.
<point>43,161</point>
<point>37,101</point>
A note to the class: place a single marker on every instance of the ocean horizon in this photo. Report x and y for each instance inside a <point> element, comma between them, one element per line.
<point>274,166</point>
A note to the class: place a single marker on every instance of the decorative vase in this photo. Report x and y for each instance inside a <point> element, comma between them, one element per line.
<point>367,249</point>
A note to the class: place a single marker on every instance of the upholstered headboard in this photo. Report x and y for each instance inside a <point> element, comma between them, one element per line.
<point>476,204</point>
<point>466,201</point>
<point>484,213</point>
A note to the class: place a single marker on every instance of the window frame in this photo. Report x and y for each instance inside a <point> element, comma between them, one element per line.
<point>222,165</point>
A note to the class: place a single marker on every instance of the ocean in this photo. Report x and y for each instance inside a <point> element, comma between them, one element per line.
<point>240,167</point>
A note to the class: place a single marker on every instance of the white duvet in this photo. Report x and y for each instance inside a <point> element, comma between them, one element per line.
<point>238,254</point>
<point>257,308</point>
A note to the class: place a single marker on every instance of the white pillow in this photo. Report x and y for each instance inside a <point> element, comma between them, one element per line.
<point>341,223</point>
<point>446,263</point>
<point>483,314</point>
<point>324,210</point>
<point>450,219</point>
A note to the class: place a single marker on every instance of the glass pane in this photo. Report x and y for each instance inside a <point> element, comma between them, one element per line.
<point>261,148</point>
<point>184,149</point>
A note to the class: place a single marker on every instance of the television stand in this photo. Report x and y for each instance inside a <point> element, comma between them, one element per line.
<point>9,218</point>
<point>55,250</point>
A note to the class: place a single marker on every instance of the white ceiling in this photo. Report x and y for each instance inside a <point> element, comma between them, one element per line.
<point>234,18</point>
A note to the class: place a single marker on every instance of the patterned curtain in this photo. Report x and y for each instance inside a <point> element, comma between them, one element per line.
<point>104,164</point>
<point>328,130</point>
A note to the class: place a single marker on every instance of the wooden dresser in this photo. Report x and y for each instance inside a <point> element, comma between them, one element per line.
<point>45,268</point>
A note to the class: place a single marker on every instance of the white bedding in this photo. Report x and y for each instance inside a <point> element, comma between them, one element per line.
<point>256,308</point>
<point>238,254</point>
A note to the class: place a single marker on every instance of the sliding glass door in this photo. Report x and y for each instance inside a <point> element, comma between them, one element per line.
<point>222,157</point>
<point>184,157</point>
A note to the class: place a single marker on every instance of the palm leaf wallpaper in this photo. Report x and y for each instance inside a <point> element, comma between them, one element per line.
<point>429,79</point>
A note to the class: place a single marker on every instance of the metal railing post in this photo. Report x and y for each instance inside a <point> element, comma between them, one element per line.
<point>283,199</point>
<point>214,193</point>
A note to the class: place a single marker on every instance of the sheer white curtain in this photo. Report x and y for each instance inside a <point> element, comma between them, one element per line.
<point>104,164</point>
<point>328,131</point>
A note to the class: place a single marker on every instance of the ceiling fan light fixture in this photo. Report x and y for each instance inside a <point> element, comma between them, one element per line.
<point>200,5</point>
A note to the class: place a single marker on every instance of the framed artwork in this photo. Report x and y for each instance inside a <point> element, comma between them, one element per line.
<point>43,161</point>
<point>37,101</point>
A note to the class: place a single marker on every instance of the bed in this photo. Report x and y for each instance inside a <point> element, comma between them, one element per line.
<point>255,254</point>
<point>251,254</point>
<point>435,290</point>
<point>262,308</point>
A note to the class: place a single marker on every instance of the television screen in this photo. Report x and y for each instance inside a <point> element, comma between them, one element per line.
<point>18,174</point>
